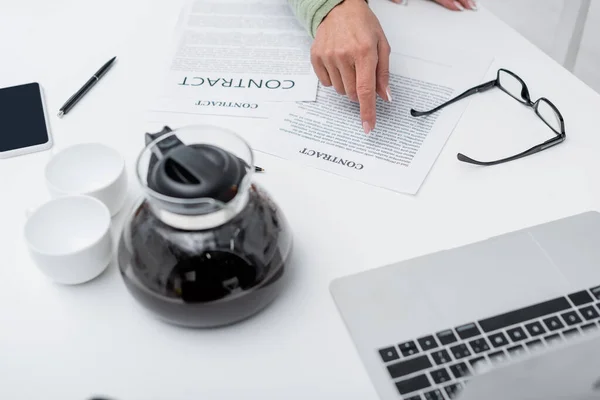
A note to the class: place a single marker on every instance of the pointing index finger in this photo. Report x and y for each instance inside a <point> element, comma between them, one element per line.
<point>366,81</point>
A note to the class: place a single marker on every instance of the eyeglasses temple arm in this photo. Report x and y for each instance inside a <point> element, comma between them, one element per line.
<point>477,89</point>
<point>535,149</point>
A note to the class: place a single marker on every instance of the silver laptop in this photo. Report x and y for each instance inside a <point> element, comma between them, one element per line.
<point>426,327</point>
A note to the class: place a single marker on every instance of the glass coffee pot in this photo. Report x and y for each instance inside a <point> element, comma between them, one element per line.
<point>206,246</point>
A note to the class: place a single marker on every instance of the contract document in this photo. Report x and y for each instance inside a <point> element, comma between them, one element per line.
<point>399,153</point>
<point>232,55</point>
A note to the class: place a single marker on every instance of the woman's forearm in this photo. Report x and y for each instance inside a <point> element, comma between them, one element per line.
<point>311,12</point>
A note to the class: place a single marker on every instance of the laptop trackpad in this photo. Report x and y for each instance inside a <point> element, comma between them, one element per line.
<point>492,277</point>
<point>573,245</point>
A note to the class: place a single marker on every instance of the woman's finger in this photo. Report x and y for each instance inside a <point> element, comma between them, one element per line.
<point>383,70</point>
<point>349,79</point>
<point>336,78</point>
<point>469,4</point>
<point>321,71</point>
<point>451,4</point>
<point>366,81</point>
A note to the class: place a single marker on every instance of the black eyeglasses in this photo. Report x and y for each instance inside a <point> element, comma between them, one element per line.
<point>514,86</point>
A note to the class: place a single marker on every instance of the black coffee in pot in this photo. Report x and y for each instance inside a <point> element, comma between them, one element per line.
<point>199,263</point>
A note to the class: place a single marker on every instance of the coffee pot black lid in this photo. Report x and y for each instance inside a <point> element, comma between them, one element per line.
<point>193,171</point>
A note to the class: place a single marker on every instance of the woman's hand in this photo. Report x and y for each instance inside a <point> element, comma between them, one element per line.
<point>455,5</point>
<point>351,53</point>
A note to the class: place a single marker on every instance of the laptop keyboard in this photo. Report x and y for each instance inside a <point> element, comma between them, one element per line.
<point>437,366</point>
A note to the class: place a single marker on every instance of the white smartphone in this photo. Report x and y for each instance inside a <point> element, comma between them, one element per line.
<point>24,126</point>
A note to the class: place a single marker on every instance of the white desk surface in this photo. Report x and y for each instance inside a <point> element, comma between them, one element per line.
<point>67,343</point>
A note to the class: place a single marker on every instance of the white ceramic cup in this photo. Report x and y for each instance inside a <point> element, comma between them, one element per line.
<point>69,238</point>
<point>90,169</point>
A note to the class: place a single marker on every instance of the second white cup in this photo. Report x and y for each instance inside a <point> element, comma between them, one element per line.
<point>69,238</point>
<point>90,169</point>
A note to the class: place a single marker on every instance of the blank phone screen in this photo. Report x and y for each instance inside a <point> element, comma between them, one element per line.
<point>22,119</point>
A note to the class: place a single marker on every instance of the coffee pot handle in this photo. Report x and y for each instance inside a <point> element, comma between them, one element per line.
<point>164,146</point>
<point>151,137</point>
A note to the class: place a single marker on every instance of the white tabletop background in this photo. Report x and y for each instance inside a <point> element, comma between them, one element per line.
<point>68,343</point>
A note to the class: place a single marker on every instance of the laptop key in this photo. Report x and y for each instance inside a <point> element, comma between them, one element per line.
<point>468,331</point>
<point>497,357</point>
<point>446,337</point>
<point>408,348</point>
<point>460,351</point>
<point>516,334</point>
<point>434,395</point>
<point>408,367</point>
<point>589,313</point>
<point>453,390</point>
<point>553,323</point>
<point>589,327</point>
<point>427,343</point>
<point>460,370</point>
<point>596,292</point>
<point>535,328</point>
<point>414,384</point>
<point>498,339</point>
<point>440,357</point>
<point>571,318</point>
<point>389,354</point>
<point>417,397</point>
<point>479,345</point>
<point>571,332</point>
<point>524,314</point>
<point>534,345</point>
<point>581,298</point>
<point>440,375</point>
<point>477,362</point>
<point>516,351</point>
<point>553,339</point>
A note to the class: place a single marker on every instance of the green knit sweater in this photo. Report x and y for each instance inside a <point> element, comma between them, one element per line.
<point>312,12</point>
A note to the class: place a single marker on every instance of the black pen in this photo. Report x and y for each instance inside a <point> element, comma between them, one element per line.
<point>86,88</point>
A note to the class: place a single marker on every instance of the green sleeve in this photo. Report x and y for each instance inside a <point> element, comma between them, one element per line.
<point>312,12</point>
